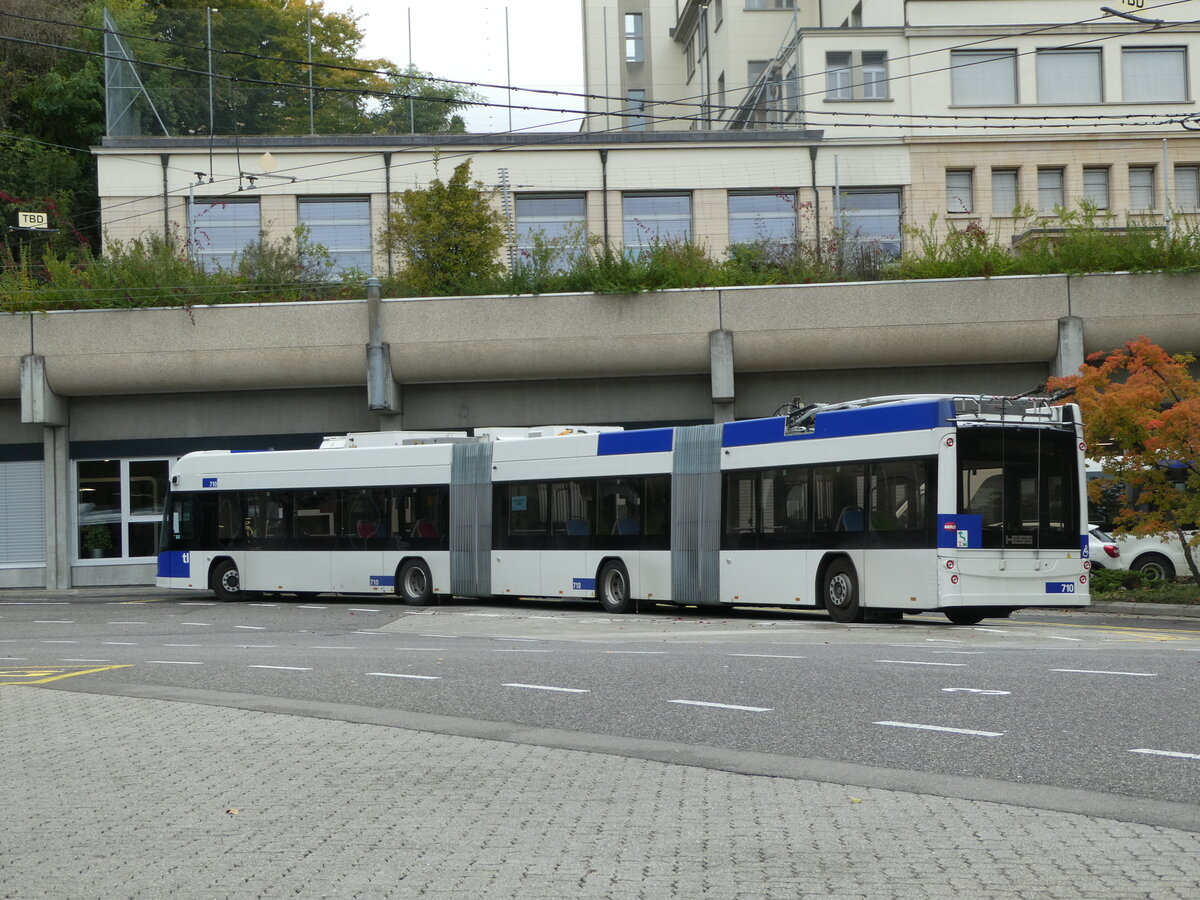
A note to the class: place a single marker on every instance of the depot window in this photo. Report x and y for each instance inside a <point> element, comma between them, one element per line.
<point>119,507</point>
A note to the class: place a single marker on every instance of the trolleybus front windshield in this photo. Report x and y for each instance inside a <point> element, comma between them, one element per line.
<point>1024,485</point>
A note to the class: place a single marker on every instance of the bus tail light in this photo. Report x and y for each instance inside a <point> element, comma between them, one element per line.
<point>954,579</point>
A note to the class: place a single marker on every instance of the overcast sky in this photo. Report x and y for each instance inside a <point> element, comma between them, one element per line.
<point>464,40</point>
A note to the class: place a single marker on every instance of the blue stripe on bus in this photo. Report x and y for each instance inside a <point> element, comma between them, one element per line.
<point>913,416</point>
<point>649,440</point>
<point>383,581</point>
<point>174,564</point>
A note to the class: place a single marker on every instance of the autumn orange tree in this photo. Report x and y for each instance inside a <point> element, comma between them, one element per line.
<point>1141,415</point>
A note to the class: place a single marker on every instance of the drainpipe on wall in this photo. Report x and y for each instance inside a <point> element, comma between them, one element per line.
<point>812,165</point>
<point>165,158</point>
<point>387,203</point>
<point>604,192</point>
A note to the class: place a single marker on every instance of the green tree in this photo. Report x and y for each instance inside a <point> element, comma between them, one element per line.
<point>1141,414</point>
<point>449,234</point>
<point>433,109</point>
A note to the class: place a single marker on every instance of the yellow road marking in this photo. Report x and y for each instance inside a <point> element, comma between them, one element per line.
<point>1127,629</point>
<point>44,674</point>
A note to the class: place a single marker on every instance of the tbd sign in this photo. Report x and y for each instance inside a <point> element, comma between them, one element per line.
<point>33,220</point>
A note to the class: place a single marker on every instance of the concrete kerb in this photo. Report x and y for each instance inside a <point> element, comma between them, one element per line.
<point>1127,608</point>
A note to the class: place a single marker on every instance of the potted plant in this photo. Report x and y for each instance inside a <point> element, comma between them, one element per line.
<point>95,540</point>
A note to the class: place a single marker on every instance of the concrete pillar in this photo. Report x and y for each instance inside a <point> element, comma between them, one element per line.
<point>57,484</point>
<point>1070,347</point>
<point>720,360</point>
<point>40,405</point>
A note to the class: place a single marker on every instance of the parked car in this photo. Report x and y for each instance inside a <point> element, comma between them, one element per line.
<point>1156,557</point>
<point>1103,550</point>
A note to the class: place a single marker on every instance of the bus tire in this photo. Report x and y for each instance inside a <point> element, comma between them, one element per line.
<point>415,584</point>
<point>226,581</point>
<point>841,592</point>
<point>612,588</point>
<point>1155,567</point>
<point>966,615</point>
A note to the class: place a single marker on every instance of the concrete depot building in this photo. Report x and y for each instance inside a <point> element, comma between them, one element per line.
<point>96,404</point>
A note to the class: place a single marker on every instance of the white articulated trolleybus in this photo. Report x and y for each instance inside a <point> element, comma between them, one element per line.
<point>973,506</point>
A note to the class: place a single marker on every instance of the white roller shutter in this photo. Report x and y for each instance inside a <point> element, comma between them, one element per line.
<point>23,524</point>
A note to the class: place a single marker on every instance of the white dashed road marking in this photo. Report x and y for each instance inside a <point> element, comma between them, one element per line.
<point>941,728</point>
<point>1101,672</point>
<point>398,675</point>
<point>1168,753</point>
<point>286,668</point>
<point>722,705</point>
<point>913,662</point>
<point>546,687</point>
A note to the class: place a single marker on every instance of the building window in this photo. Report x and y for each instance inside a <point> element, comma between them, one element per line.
<point>1069,76</point>
<point>959,191</point>
<point>874,76</point>
<point>1150,74</point>
<point>721,95</point>
<point>769,4</point>
<point>1095,186</point>
<point>23,525</point>
<point>653,218</point>
<point>718,13</point>
<point>983,77</point>
<point>690,55</point>
<point>1187,187</point>
<point>120,507</point>
<point>837,77</point>
<point>635,110</point>
<point>791,92</point>
<point>220,229</point>
<point>1050,191</point>
<point>1141,189</point>
<point>557,221</point>
<point>871,219</point>
<point>635,45</point>
<point>1004,192</point>
<point>342,225</point>
<point>762,216</point>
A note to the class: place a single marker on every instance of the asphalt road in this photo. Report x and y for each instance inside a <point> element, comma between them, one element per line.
<point>1076,701</point>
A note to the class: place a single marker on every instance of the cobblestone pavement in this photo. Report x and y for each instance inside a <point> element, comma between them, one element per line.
<point>112,797</point>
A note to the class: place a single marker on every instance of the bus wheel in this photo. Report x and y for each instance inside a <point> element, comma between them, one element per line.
<point>966,616</point>
<point>227,582</point>
<point>841,592</point>
<point>612,589</point>
<point>415,583</point>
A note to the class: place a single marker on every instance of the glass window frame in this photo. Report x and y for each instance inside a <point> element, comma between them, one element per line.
<point>1060,198</point>
<point>1187,181</point>
<point>960,191</point>
<point>635,37</point>
<point>973,63</point>
<point>1136,188</point>
<point>1134,83</point>
<point>1054,88</point>
<point>839,72</point>
<point>341,228</point>
<point>1015,176</point>
<point>125,516</point>
<point>633,224</point>
<point>769,217</point>
<point>207,228</point>
<point>552,227</point>
<point>1097,186</point>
